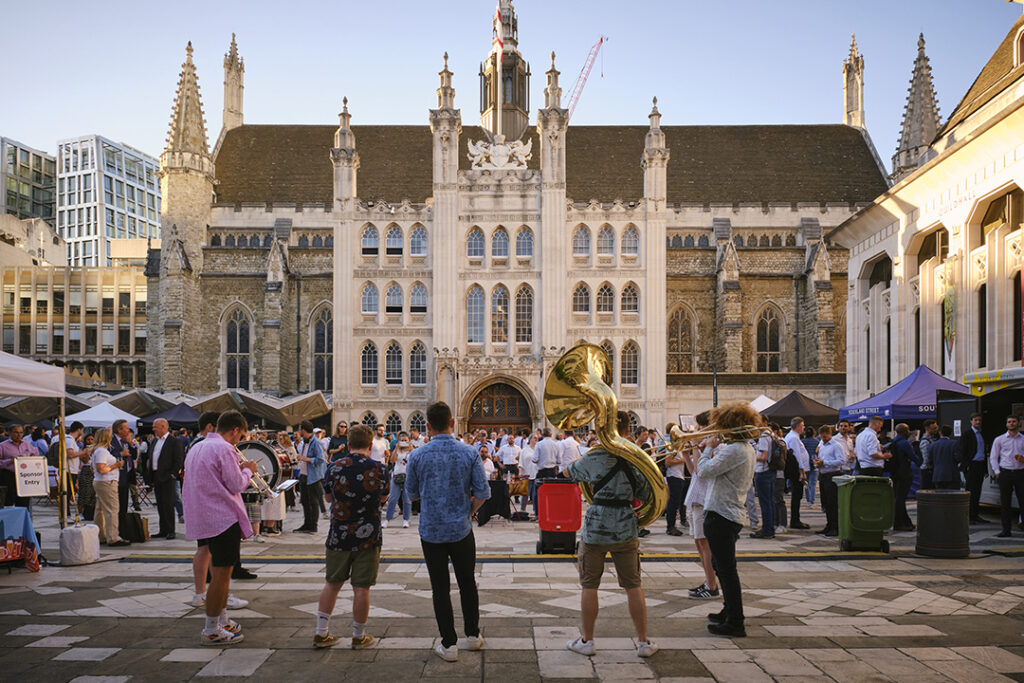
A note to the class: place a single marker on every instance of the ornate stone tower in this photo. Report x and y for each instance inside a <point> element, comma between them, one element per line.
<point>920,118</point>
<point>552,124</point>
<point>234,85</point>
<point>853,87</point>
<point>514,86</point>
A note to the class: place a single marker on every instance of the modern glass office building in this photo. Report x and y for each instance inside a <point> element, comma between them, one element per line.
<point>28,176</point>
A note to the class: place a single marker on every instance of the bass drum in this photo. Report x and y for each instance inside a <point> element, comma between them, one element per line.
<point>267,465</point>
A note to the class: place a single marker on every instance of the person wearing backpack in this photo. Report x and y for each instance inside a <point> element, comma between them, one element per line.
<point>796,471</point>
<point>764,483</point>
<point>779,456</point>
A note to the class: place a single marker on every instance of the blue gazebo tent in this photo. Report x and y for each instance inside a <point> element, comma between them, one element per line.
<point>912,398</point>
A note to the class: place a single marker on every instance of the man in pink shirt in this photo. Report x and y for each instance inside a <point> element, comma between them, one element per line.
<point>14,447</point>
<point>215,516</point>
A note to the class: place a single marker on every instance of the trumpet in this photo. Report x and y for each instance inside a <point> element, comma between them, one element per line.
<point>257,482</point>
<point>679,440</point>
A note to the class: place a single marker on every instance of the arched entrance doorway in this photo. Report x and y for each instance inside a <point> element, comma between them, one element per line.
<point>499,405</point>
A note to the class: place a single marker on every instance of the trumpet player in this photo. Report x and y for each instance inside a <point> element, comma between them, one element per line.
<point>215,517</point>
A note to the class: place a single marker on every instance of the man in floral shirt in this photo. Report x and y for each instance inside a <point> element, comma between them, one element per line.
<point>356,488</point>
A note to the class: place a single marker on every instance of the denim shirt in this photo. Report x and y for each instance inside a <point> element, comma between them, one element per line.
<point>317,467</point>
<point>443,474</point>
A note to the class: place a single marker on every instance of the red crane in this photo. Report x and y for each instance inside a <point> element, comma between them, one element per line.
<point>581,80</point>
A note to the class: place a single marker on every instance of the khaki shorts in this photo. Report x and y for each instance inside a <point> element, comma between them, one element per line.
<point>625,555</point>
<point>359,565</point>
<point>695,515</point>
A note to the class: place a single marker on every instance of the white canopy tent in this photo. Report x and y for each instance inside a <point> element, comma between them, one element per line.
<point>761,403</point>
<point>102,415</point>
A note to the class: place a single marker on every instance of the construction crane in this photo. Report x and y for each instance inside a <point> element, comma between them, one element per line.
<point>581,80</point>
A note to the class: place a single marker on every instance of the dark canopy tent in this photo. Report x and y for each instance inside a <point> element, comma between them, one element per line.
<point>912,398</point>
<point>796,404</point>
<point>181,415</point>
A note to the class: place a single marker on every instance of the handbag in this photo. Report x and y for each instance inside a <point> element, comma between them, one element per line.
<point>400,480</point>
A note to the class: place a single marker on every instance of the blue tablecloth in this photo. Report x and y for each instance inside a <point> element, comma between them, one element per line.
<point>15,523</point>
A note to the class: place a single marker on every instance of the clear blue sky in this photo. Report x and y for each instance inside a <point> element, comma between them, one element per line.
<point>111,67</point>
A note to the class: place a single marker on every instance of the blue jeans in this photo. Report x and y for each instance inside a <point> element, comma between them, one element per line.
<point>764,484</point>
<point>812,479</point>
<point>397,491</point>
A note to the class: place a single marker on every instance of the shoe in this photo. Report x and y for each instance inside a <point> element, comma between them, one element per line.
<point>903,528</point>
<point>704,593</point>
<point>232,626</point>
<point>644,532</point>
<point>979,520</point>
<point>821,532</point>
<point>326,515</point>
<point>300,530</point>
<point>258,538</point>
<point>1001,534</point>
<point>717,617</point>
<point>831,533</point>
<point>272,533</point>
<point>473,643</point>
<point>199,600</point>
<point>242,574</point>
<point>761,534</point>
<point>326,640</point>
<point>781,530</point>
<point>181,520</point>
<point>645,649</point>
<point>123,543</point>
<point>727,630</point>
<point>363,642</point>
<point>384,524</point>
<point>799,525</point>
<point>674,532</point>
<point>169,537</point>
<point>448,654</point>
<point>221,637</point>
<point>405,524</point>
<point>581,647</point>
<point>233,602</point>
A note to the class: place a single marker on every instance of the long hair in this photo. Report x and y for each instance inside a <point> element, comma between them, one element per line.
<point>734,416</point>
<point>101,439</point>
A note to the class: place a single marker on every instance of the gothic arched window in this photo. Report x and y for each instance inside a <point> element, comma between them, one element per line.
<point>369,299</point>
<point>418,241</point>
<point>524,315</point>
<point>371,241</point>
<point>269,239</point>
<point>393,241</point>
<point>630,242</point>
<point>418,299</point>
<point>499,315</point>
<point>318,241</point>
<point>418,365</point>
<point>688,242</point>
<point>322,334</point>
<point>776,240</point>
<point>238,350</point>
<point>630,299</point>
<point>630,364</point>
<point>768,353</point>
<point>393,423</point>
<point>610,350</point>
<point>393,364</point>
<point>606,241</point>
<point>303,241</point>
<point>790,240</point>
<point>215,241</point>
<point>499,243</point>
<point>369,420</point>
<point>475,243</point>
<point>680,341</point>
<point>368,366</point>
<point>764,241</point>
<point>418,422</point>
<point>243,242</point>
<point>738,240</point>
<point>581,299</point>
<point>393,300</point>
<point>703,241</point>
<point>605,299</point>
<point>475,315</point>
<point>524,242</point>
<point>229,241</point>
<point>581,241</point>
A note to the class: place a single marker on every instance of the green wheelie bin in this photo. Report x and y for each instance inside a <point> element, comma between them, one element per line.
<point>865,512</point>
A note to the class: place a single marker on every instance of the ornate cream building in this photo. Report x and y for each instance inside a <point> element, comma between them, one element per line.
<point>392,265</point>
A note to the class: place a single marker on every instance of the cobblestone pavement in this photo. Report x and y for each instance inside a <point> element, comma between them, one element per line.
<point>812,614</point>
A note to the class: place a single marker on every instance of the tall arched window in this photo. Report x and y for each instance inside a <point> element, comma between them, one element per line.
<point>475,243</point>
<point>229,241</point>
<point>610,350</point>
<point>630,242</point>
<point>630,364</point>
<point>370,420</point>
<point>475,316</point>
<point>982,326</point>
<point>393,300</point>
<point>371,241</point>
<point>581,241</point>
<point>630,299</point>
<point>524,242</point>
<point>323,346</point>
<point>242,241</point>
<point>318,241</point>
<point>418,422</point>
<point>499,315</point>
<point>605,299</point>
<point>418,299</point>
<point>238,350</point>
<point>418,365</point>
<point>368,365</point>
<point>1016,313</point>
<point>499,243</point>
<point>394,241</point>
<point>418,241</point>
<point>215,241</point>
<point>393,364</point>
<point>606,241</point>
<point>738,240</point>
<point>581,299</point>
<point>768,353</point>
<point>680,341</point>
<point>524,315</point>
<point>370,299</point>
<point>393,423</point>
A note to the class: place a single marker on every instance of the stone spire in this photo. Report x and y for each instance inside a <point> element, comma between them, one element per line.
<point>344,157</point>
<point>508,31</point>
<point>234,84</point>
<point>188,127</point>
<point>553,93</point>
<point>920,118</point>
<point>655,160</point>
<point>446,93</point>
<point>853,87</point>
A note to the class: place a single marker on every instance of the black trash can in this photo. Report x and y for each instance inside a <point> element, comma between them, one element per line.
<point>943,523</point>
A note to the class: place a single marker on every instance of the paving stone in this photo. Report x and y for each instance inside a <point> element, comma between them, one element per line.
<point>237,662</point>
<point>56,641</point>
<point>623,671</point>
<point>737,672</point>
<point>86,654</point>
<point>185,654</point>
<point>38,629</point>
<point>783,663</point>
<point>564,664</point>
<point>966,671</point>
<point>100,679</point>
<point>993,658</point>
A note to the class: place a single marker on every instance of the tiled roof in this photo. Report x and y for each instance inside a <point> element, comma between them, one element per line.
<point>800,163</point>
<point>997,74</point>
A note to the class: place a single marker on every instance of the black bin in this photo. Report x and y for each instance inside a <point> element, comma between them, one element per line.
<point>943,519</point>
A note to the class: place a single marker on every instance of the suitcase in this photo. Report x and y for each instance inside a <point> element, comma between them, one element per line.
<point>79,545</point>
<point>136,528</point>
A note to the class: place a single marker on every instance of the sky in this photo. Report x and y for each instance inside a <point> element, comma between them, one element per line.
<point>114,65</point>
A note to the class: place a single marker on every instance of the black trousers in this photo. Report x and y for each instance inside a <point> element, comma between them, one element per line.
<point>829,500</point>
<point>675,500</point>
<point>165,497</point>
<point>780,501</point>
<point>722,535</point>
<point>796,487</point>
<point>901,486</point>
<point>926,479</point>
<point>310,508</point>
<point>1010,482</point>
<point>8,480</point>
<point>463,558</point>
<point>872,471</point>
<point>976,472</point>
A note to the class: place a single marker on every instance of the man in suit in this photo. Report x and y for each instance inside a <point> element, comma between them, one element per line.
<point>974,463</point>
<point>945,467</point>
<point>121,446</point>
<point>902,474</point>
<point>163,461</point>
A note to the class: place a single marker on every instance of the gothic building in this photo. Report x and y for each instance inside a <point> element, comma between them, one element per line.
<point>392,265</point>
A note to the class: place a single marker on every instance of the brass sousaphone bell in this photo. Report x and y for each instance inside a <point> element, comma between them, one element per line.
<point>577,393</point>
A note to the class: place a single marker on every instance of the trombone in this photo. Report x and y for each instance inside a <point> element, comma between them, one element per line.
<point>257,482</point>
<point>679,440</point>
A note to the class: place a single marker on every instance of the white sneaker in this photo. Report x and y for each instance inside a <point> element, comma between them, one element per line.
<point>405,524</point>
<point>448,654</point>
<point>234,603</point>
<point>473,643</point>
<point>199,600</point>
<point>645,649</point>
<point>781,530</point>
<point>259,538</point>
<point>384,524</point>
<point>580,647</point>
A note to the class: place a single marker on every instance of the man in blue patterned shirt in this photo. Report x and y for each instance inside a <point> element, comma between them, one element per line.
<point>447,477</point>
<point>355,484</point>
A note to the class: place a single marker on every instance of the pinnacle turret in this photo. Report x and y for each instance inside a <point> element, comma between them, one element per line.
<point>853,87</point>
<point>553,93</point>
<point>188,127</point>
<point>920,117</point>
<point>446,93</point>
